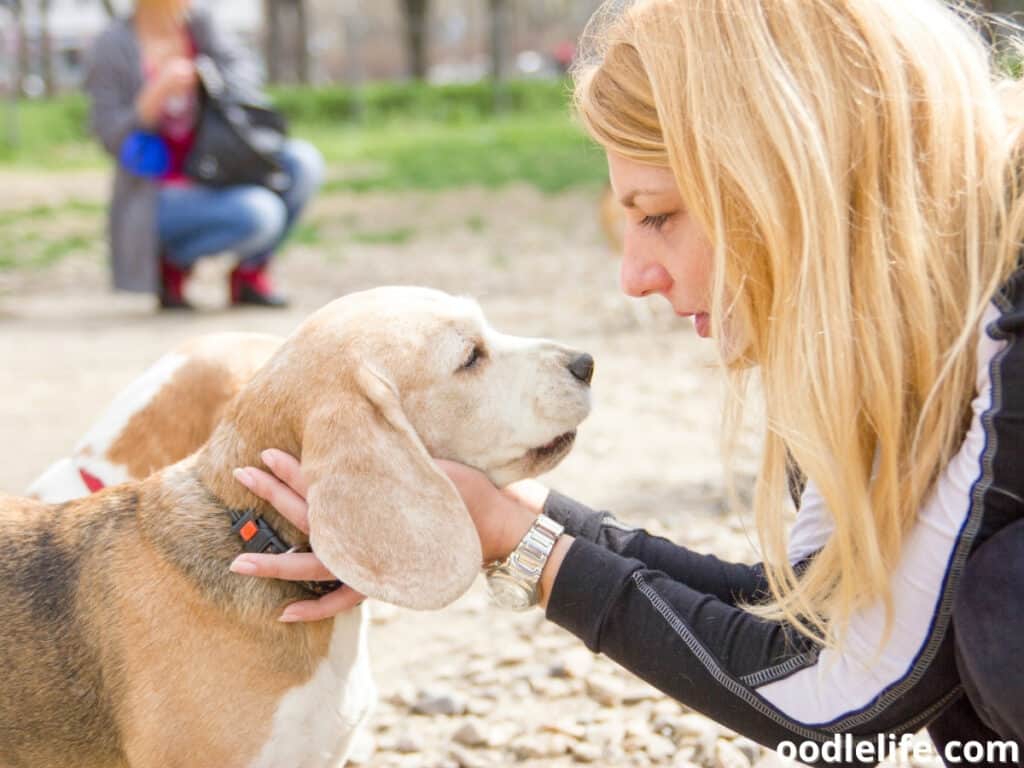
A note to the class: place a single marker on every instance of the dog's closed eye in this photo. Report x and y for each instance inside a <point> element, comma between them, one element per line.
<point>477,354</point>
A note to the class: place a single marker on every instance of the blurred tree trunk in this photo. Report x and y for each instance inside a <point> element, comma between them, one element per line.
<point>12,47</point>
<point>499,43</point>
<point>416,36</point>
<point>108,6</point>
<point>302,41</point>
<point>499,38</point>
<point>46,47</point>
<point>272,39</point>
<point>23,62</point>
<point>286,40</point>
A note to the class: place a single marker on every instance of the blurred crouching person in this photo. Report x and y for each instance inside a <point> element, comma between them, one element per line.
<point>143,82</point>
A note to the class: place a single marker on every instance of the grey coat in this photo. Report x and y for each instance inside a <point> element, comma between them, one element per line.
<point>114,80</point>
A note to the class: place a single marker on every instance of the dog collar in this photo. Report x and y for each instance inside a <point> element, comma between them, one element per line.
<point>92,482</point>
<point>256,534</point>
<point>258,537</point>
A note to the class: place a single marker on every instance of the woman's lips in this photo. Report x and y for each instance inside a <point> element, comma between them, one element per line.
<point>701,322</point>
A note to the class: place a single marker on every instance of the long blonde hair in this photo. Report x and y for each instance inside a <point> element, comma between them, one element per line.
<point>852,163</point>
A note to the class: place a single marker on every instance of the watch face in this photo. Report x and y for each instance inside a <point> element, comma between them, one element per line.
<point>508,593</point>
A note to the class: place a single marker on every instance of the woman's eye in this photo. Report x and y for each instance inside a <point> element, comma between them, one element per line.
<point>474,357</point>
<point>654,222</point>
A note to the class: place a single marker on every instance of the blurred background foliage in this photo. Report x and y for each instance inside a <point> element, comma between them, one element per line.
<point>407,93</point>
<point>380,136</point>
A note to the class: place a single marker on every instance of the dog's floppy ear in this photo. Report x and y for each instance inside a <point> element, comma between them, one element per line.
<point>382,516</point>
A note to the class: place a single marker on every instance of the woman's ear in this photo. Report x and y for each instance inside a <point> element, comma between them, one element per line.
<point>382,516</point>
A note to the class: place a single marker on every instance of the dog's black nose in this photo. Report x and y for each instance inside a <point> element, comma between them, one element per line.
<point>582,367</point>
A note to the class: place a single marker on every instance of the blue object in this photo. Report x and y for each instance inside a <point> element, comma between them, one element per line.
<point>145,154</point>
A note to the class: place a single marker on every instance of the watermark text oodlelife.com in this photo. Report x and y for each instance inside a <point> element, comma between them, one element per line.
<point>845,748</point>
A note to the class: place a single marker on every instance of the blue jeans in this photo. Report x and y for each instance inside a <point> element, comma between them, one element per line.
<point>194,220</point>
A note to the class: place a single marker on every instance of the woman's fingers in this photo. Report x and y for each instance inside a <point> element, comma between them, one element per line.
<point>300,566</point>
<point>328,606</point>
<point>287,468</point>
<point>281,497</point>
<point>291,566</point>
<point>287,494</point>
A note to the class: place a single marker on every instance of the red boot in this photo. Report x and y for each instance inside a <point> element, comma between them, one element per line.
<point>251,285</point>
<point>172,286</point>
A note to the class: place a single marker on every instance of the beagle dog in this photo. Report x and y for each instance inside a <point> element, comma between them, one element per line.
<point>125,641</point>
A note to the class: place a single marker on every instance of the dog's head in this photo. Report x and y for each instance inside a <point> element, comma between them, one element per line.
<point>376,384</point>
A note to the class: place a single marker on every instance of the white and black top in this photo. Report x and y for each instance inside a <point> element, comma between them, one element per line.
<point>669,614</point>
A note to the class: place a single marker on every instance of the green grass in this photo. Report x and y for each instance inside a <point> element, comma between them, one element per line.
<point>27,238</point>
<point>379,102</point>
<point>32,250</point>
<point>306,233</point>
<point>402,136</point>
<point>48,212</point>
<point>398,236</point>
<point>51,135</point>
<point>545,150</point>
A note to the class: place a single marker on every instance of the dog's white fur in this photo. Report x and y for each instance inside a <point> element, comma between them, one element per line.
<point>315,723</point>
<point>369,390</point>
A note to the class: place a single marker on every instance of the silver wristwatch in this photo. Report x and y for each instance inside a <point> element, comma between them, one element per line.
<point>513,581</point>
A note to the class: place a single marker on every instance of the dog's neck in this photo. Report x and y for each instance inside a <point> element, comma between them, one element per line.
<point>252,423</point>
<point>190,527</point>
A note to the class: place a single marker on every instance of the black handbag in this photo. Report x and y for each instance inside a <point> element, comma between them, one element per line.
<point>235,142</point>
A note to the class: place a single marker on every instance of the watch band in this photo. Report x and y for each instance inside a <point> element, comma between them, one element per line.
<point>529,558</point>
<point>514,582</point>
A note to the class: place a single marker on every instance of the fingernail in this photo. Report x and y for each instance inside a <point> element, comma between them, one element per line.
<point>242,566</point>
<point>268,457</point>
<point>288,617</point>
<point>244,476</point>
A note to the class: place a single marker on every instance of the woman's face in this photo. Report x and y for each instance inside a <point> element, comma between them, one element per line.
<point>175,8</point>
<point>664,251</point>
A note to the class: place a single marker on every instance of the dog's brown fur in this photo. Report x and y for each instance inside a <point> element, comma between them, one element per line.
<point>184,412</point>
<point>108,602</point>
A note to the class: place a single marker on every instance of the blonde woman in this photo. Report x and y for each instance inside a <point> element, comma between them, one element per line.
<point>828,188</point>
<point>143,84</point>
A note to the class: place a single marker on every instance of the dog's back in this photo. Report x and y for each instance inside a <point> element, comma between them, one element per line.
<point>159,418</point>
<point>57,707</point>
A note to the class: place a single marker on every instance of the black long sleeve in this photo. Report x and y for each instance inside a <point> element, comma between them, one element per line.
<point>729,582</point>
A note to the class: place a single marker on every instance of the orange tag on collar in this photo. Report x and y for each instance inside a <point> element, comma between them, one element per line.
<point>248,530</point>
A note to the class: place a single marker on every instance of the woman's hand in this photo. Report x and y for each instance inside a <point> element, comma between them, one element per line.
<point>287,494</point>
<point>501,517</point>
<point>177,76</point>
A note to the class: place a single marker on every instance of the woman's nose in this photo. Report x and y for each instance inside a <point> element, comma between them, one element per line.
<point>639,277</point>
